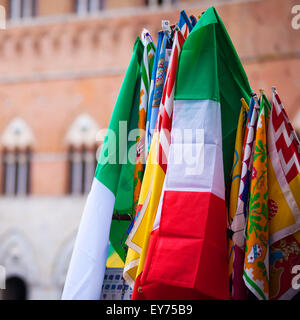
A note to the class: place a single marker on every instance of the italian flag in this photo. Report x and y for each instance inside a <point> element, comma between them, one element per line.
<point>111,192</point>
<point>187,253</point>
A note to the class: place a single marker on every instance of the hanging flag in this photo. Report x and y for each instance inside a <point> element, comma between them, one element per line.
<point>146,71</point>
<point>151,93</point>
<point>236,177</point>
<point>155,173</point>
<point>123,208</point>
<point>231,78</point>
<point>162,67</point>
<point>193,20</point>
<point>187,255</point>
<point>185,24</point>
<point>113,259</point>
<point>151,188</point>
<point>256,264</point>
<point>238,225</point>
<point>291,131</point>
<point>131,173</point>
<point>147,65</point>
<point>284,203</point>
<point>86,271</point>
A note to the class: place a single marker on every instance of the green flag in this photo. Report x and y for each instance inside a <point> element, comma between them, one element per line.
<point>211,69</point>
<point>111,184</point>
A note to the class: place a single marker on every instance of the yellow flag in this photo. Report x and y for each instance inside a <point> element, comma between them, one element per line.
<point>236,174</point>
<point>138,238</point>
<point>284,201</point>
<point>256,263</point>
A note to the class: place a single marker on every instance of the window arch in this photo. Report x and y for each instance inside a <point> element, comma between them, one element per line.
<point>18,259</point>
<point>20,9</point>
<point>16,289</point>
<point>82,147</point>
<point>160,2</point>
<point>83,7</point>
<point>17,142</point>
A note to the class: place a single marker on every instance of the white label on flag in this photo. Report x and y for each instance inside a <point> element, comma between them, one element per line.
<point>165,24</point>
<point>168,54</point>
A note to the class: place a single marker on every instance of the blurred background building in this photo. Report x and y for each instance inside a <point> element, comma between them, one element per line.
<point>61,66</point>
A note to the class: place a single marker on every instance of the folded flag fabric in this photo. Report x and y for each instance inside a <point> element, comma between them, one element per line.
<point>147,66</point>
<point>155,170</point>
<point>125,190</point>
<point>162,68</point>
<point>284,204</point>
<point>148,201</point>
<point>222,67</point>
<point>187,256</point>
<point>256,264</point>
<point>146,71</point>
<point>284,256</point>
<point>148,137</point>
<point>193,20</point>
<point>113,259</point>
<point>164,126</point>
<point>285,168</point>
<point>86,271</point>
<point>235,181</point>
<point>238,224</point>
<point>239,220</point>
<point>184,24</point>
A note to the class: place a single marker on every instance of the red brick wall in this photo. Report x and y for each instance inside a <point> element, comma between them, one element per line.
<point>51,73</point>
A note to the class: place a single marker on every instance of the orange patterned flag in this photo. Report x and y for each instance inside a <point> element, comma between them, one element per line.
<point>256,264</point>
<point>238,224</point>
<point>236,177</point>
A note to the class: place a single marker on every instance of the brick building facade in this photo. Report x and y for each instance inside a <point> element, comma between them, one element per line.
<point>61,66</point>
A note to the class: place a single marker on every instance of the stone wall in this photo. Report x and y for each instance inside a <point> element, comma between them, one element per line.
<point>38,247</point>
<point>52,72</point>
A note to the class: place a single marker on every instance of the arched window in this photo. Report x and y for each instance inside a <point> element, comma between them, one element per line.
<point>160,2</point>
<point>16,289</point>
<point>17,142</point>
<point>81,140</point>
<point>82,165</point>
<point>20,9</point>
<point>16,172</point>
<point>83,7</point>
<point>17,256</point>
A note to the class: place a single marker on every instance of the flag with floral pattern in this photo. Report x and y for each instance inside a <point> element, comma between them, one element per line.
<point>237,227</point>
<point>236,177</point>
<point>146,71</point>
<point>256,263</point>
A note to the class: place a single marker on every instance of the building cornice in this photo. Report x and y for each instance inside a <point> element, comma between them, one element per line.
<point>61,75</point>
<point>122,12</point>
<point>115,72</point>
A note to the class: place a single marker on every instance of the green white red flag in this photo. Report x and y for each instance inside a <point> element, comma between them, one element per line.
<point>187,256</point>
